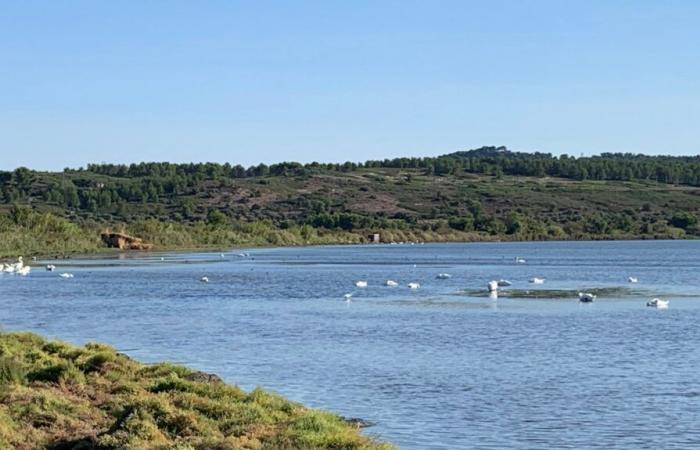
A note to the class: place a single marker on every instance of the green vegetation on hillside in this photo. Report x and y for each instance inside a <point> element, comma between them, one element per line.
<point>58,396</point>
<point>485,194</point>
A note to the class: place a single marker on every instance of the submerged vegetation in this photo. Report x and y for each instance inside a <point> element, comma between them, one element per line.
<point>485,194</point>
<point>58,396</point>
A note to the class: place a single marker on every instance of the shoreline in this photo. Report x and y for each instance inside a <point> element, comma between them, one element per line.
<point>158,250</point>
<point>58,395</point>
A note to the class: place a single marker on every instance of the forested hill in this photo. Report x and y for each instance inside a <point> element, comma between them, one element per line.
<point>485,193</point>
<point>485,160</point>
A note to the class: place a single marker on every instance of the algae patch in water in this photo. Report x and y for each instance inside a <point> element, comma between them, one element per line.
<point>553,294</point>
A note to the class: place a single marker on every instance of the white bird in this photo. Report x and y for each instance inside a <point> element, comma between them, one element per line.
<point>586,297</point>
<point>519,260</point>
<point>658,303</point>
<point>391,283</point>
<point>504,283</point>
<point>50,267</point>
<point>162,259</point>
<point>24,270</point>
<point>536,280</point>
<point>222,255</point>
<point>493,286</point>
<point>413,285</point>
<point>66,275</point>
<point>204,279</point>
<point>361,284</point>
<point>347,297</point>
<point>632,280</point>
<point>443,276</point>
<point>10,268</point>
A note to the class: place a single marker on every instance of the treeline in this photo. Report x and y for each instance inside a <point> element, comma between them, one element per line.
<point>485,160</point>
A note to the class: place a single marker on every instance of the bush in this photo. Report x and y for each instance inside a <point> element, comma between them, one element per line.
<point>12,371</point>
<point>683,219</point>
<point>96,361</point>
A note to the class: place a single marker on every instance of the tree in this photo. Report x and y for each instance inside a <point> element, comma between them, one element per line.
<point>513,223</point>
<point>683,219</point>
<point>216,217</point>
<point>463,223</point>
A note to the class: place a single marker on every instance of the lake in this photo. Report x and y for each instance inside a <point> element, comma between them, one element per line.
<point>440,367</point>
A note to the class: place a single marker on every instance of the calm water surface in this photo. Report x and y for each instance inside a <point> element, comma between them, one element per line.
<point>443,367</point>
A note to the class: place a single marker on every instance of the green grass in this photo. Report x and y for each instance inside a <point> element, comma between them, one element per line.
<point>57,396</point>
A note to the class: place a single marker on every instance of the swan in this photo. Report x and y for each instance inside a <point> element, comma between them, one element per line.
<point>11,268</point>
<point>204,279</point>
<point>493,286</point>
<point>361,284</point>
<point>658,303</point>
<point>536,280</point>
<point>632,280</point>
<point>586,297</point>
<point>66,275</point>
<point>413,285</point>
<point>347,297</point>
<point>50,268</point>
<point>391,283</point>
<point>443,276</point>
<point>519,260</point>
<point>504,283</point>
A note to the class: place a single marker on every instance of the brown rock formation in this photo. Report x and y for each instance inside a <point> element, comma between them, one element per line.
<point>124,241</point>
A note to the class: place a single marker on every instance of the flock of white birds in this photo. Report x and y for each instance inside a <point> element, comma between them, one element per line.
<point>20,268</point>
<point>494,285</point>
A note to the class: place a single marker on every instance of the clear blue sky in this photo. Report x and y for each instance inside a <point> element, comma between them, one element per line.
<point>245,82</point>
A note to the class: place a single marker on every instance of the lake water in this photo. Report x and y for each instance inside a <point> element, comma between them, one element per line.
<point>441,367</point>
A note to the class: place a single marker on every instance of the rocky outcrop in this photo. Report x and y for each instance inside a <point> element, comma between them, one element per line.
<point>203,377</point>
<point>357,422</point>
<point>124,241</point>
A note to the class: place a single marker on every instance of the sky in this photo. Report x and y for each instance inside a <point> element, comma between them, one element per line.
<point>269,81</point>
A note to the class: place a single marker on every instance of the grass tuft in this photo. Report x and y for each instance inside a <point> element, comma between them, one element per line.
<point>12,371</point>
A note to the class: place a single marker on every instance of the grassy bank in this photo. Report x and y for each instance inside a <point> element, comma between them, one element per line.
<point>58,396</point>
<point>29,232</point>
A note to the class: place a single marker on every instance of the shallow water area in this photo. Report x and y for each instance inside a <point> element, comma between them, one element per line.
<point>440,367</point>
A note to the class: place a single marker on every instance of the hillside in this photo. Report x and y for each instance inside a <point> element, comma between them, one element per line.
<point>488,193</point>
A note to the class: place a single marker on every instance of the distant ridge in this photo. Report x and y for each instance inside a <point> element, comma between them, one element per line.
<point>482,152</point>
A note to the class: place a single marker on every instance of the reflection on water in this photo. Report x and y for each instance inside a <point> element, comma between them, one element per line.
<point>441,367</point>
